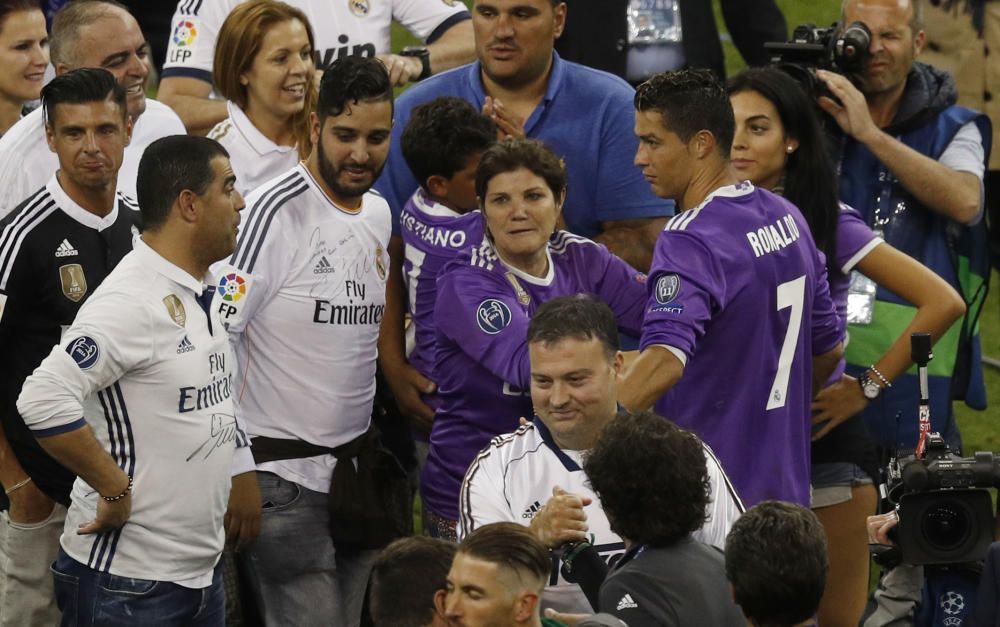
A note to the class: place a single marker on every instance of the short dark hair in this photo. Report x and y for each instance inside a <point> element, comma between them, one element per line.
<point>651,477</point>
<point>405,578</point>
<point>68,21</point>
<point>511,546</point>
<point>82,86</point>
<point>169,166</point>
<point>512,154</point>
<point>350,80</point>
<point>776,562</point>
<point>579,316</point>
<point>442,135</point>
<point>690,101</point>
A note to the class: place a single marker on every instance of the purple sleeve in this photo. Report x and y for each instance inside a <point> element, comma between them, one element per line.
<point>623,288</point>
<point>854,239</point>
<point>827,327</point>
<point>686,287</point>
<point>477,311</point>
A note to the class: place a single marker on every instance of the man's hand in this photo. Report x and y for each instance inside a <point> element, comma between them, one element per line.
<point>851,114</point>
<point>242,519</point>
<point>879,526</point>
<point>407,385</point>
<point>508,124</point>
<point>111,515</point>
<point>836,403</point>
<point>565,619</point>
<point>29,505</point>
<point>402,70</point>
<point>561,519</point>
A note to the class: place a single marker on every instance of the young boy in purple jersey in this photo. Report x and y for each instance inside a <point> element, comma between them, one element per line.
<point>738,298</point>
<point>442,144</point>
<point>485,299</point>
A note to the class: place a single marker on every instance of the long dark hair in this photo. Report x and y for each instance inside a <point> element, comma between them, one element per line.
<point>810,177</point>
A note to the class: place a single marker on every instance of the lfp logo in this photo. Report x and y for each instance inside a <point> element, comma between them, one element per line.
<point>232,287</point>
<point>185,33</point>
<point>493,316</point>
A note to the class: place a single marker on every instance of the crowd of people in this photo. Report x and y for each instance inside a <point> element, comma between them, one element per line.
<point>638,353</point>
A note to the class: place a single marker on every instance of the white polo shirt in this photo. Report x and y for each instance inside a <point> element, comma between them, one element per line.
<point>144,367</point>
<point>254,157</point>
<point>513,478</point>
<point>303,296</point>
<point>27,163</point>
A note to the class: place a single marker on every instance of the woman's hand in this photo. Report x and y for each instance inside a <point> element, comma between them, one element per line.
<point>836,403</point>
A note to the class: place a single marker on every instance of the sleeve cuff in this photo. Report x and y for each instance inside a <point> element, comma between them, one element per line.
<point>242,461</point>
<point>187,72</point>
<point>445,25</point>
<point>65,428</point>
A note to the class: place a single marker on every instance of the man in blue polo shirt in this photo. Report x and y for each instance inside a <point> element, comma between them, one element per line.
<point>583,114</point>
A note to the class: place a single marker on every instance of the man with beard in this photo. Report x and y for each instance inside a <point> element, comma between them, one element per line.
<point>93,34</point>
<point>303,296</point>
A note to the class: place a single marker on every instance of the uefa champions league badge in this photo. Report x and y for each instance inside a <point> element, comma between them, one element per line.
<point>493,316</point>
<point>667,288</point>
<point>84,351</point>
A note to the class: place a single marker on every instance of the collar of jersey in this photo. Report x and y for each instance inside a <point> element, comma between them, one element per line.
<point>78,213</point>
<point>153,259</point>
<point>319,188</point>
<point>432,207</point>
<point>544,281</point>
<point>261,144</point>
<point>567,461</point>
<point>728,191</point>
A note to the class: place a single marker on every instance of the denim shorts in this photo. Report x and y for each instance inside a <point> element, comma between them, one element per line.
<point>832,483</point>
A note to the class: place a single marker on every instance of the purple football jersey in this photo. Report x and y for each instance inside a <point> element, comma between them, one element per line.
<point>483,373</point>
<point>855,239</point>
<point>433,234</point>
<point>738,286</point>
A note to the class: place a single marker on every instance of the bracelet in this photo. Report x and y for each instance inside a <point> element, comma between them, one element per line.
<point>125,492</point>
<point>18,485</point>
<point>885,382</point>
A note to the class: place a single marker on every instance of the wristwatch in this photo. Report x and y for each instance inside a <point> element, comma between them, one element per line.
<point>869,387</point>
<point>422,53</point>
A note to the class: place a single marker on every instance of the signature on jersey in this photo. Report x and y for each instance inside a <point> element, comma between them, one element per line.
<point>222,432</point>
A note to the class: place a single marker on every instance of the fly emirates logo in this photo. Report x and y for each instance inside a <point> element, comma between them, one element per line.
<point>355,312</point>
<point>773,237</point>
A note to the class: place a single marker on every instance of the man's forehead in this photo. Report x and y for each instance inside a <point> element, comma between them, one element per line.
<point>112,32</point>
<point>649,122</point>
<point>899,9</point>
<point>512,4</point>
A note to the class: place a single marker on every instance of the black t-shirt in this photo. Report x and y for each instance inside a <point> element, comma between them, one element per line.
<point>53,255</point>
<point>683,584</point>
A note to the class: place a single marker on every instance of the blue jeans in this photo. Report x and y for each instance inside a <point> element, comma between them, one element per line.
<point>293,568</point>
<point>88,598</point>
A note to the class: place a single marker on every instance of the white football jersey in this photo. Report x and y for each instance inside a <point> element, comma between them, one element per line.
<point>150,372</point>
<point>513,478</point>
<point>255,158</point>
<point>341,28</point>
<point>303,296</point>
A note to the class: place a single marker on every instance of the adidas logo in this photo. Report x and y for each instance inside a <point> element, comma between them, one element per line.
<point>323,267</point>
<point>531,511</point>
<point>66,249</point>
<point>627,603</point>
<point>185,346</point>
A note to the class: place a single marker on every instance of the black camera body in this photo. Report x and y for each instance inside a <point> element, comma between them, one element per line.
<point>844,51</point>
<point>945,513</point>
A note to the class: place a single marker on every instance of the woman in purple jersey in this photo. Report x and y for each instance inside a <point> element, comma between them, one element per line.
<point>779,146</point>
<point>485,299</point>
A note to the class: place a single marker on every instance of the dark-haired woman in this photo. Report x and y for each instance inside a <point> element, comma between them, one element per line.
<point>24,55</point>
<point>779,145</point>
<point>485,299</point>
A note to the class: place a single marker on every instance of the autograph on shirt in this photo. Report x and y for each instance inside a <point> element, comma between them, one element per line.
<point>223,431</point>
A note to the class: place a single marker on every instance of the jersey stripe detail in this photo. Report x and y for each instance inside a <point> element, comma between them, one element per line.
<point>190,7</point>
<point>464,506</point>
<point>115,535</point>
<point>729,484</point>
<point>33,214</point>
<point>123,450</point>
<point>249,230</point>
<point>128,428</point>
<point>261,215</point>
<point>681,221</point>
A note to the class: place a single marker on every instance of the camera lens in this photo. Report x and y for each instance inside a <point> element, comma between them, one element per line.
<point>946,525</point>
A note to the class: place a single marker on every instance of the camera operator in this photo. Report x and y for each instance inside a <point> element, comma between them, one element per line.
<point>912,164</point>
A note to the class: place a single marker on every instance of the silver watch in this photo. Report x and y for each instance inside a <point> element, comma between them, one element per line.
<point>869,387</point>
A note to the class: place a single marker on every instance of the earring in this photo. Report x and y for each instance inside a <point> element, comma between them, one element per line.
<point>789,149</point>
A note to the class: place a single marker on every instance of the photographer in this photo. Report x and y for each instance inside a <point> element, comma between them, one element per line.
<point>912,164</point>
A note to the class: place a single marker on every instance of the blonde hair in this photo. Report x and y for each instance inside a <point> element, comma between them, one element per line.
<point>239,42</point>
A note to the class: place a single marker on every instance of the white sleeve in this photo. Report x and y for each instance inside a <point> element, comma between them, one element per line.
<point>725,507</point>
<point>256,271</point>
<point>481,500</point>
<point>422,17</point>
<point>965,153</point>
<point>112,334</point>
<point>194,30</point>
